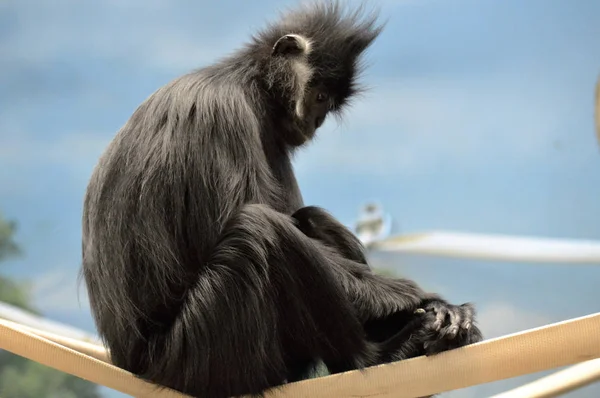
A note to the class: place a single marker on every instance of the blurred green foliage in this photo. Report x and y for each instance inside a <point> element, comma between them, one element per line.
<point>8,247</point>
<point>16,293</point>
<point>20,377</point>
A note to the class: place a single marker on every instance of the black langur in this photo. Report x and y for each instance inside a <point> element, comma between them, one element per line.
<point>204,270</point>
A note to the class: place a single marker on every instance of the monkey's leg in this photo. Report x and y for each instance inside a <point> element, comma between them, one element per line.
<point>315,318</point>
<point>314,309</point>
<point>266,300</point>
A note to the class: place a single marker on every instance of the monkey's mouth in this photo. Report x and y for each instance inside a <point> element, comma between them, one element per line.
<point>319,121</point>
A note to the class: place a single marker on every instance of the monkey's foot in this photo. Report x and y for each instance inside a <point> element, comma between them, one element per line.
<point>446,326</point>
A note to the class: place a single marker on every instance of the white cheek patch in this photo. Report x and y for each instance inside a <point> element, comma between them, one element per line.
<point>302,73</point>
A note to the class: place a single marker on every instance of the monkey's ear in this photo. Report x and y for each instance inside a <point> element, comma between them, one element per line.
<point>289,45</point>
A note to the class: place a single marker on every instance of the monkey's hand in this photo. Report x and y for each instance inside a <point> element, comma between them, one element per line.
<point>318,224</point>
<point>446,326</point>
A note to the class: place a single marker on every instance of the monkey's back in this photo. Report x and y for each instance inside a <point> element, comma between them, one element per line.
<point>185,162</point>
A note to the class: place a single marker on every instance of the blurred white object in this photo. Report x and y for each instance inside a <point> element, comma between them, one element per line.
<point>373,228</point>
<point>494,247</point>
<point>372,225</point>
<point>559,383</point>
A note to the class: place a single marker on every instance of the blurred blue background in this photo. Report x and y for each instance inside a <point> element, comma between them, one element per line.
<point>479,118</point>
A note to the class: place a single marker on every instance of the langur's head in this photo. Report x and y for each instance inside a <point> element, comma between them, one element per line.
<point>312,59</point>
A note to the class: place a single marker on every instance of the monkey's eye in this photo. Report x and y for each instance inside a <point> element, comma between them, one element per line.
<point>321,97</point>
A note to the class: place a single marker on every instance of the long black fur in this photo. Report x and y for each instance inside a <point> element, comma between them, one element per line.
<point>204,271</point>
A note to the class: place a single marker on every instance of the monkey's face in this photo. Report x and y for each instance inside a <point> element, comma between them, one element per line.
<point>310,61</point>
<point>292,79</point>
<point>304,116</point>
<point>312,73</point>
<point>315,106</point>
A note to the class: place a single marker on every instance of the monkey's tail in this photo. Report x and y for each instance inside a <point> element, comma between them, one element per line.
<point>266,297</point>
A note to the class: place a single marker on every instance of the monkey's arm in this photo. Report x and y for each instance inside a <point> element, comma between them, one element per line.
<point>441,325</point>
<point>374,295</point>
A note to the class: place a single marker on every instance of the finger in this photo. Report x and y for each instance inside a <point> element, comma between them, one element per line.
<point>440,311</point>
<point>440,317</point>
<point>468,313</point>
<point>452,329</point>
<point>454,314</point>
